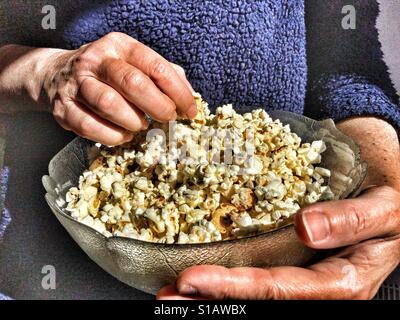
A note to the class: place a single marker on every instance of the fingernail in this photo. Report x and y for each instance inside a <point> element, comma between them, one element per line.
<point>316,225</point>
<point>145,125</point>
<point>129,136</point>
<point>192,111</point>
<point>187,289</point>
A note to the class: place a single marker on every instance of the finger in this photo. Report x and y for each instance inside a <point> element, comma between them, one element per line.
<point>170,293</point>
<point>110,105</point>
<point>248,283</point>
<point>181,73</point>
<point>356,273</point>
<point>138,88</point>
<point>340,223</point>
<point>164,76</point>
<point>88,125</point>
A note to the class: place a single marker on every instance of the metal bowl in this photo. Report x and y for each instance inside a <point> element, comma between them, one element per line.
<point>149,266</point>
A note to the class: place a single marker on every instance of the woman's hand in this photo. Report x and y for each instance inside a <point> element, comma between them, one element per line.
<point>354,273</point>
<point>103,90</point>
<point>368,226</point>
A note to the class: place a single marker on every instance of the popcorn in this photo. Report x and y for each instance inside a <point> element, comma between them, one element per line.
<point>212,178</point>
<point>243,199</point>
<point>322,172</point>
<point>274,190</point>
<point>242,220</point>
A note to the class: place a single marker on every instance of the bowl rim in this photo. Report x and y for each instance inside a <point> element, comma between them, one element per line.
<point>281,226</point>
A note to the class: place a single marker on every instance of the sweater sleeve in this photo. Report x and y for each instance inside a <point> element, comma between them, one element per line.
<point>341,96</point>
<point>347,75</point>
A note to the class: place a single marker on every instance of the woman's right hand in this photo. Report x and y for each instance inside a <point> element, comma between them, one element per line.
<point>103,90</point>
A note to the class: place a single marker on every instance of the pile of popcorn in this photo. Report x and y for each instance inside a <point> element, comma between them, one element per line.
<point>212,178</point>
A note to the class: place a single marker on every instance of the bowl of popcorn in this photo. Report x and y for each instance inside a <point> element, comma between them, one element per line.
<point>222,189</point>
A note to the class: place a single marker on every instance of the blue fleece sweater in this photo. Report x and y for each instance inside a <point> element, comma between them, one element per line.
<point>253,52</point>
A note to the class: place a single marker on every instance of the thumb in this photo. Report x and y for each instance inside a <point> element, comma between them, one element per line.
<point>340,223</point>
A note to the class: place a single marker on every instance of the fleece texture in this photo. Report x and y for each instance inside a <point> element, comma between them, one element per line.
<point>248,53</point>
<point>347,76</point>
<point>253,53</point>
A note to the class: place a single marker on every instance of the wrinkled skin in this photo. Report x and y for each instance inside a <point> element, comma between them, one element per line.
<point>101,91</point>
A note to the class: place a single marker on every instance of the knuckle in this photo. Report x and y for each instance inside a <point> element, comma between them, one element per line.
<point>229,290</point>
<point>272,289</point>
<point>114,36</point>
<point>159,69</point>
<point>88,55</point>
<point>112,44</point>
<point>86,126</point>
<point>105,102</point>
<point>355,219</point>
<point>118,38</point>
<point>275,292</point>
<point>133,80</point>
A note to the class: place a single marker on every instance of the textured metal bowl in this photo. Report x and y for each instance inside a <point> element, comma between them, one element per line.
<point>149,266</point>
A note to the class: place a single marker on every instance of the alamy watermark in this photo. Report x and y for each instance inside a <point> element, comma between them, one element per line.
<point>49,279</point>
<point>349,280</point>
<point>49,20</point>
<point>228,146</point>
<point>349,18</point>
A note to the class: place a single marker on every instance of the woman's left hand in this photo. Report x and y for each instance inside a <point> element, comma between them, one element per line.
<point>369,225</point>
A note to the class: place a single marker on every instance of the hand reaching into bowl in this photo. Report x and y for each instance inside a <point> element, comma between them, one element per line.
<point>101,91</point>
<point>368,226</point>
